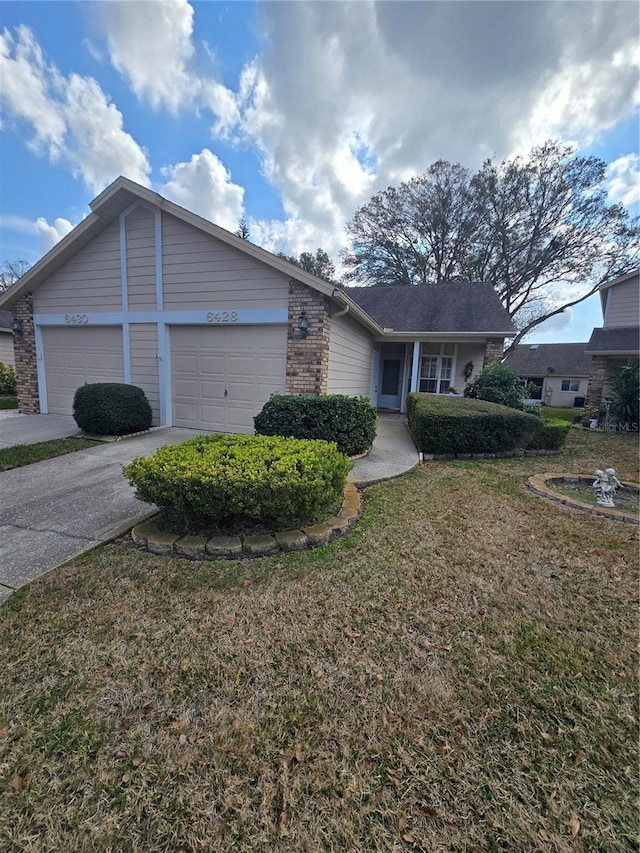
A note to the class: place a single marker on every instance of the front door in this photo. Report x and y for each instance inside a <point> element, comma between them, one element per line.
<point>390,382</point>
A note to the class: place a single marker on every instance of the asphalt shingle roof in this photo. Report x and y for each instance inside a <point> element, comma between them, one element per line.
<point>536,359</point>
<point>448,308</point>
<point>625,339</point>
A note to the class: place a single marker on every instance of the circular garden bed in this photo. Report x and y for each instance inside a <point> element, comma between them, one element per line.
<point>576,491</point>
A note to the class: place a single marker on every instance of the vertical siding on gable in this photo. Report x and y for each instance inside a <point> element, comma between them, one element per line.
<point>624,304</point>
<point>89,281</point>
<point>200,272</point>
<point>141,259</point>
<point>350,349</point>
<point>143,344</point>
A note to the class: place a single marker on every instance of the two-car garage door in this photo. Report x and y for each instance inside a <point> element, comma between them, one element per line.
<point>221,376</point>
<point>74,355</point>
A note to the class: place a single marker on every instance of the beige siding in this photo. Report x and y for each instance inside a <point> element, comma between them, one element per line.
<point>467,353</point>
<point>89,281</point>
<point>6,349</point>
<point>350,349</point>
<point>624,304</point>
<point>143,348</point>
<point>141,260</point>
<point>200,272</point>
<point>553,395</point>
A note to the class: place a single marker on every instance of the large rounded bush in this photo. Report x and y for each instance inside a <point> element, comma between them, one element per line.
<point>111,408</point>
<point>349,421</point>
<point>222,480</point>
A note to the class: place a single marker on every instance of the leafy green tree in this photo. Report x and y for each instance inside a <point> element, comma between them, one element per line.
<point>243,229</point>
<point>319,264</point>
<point>498,384</point>
<point>539,228</point>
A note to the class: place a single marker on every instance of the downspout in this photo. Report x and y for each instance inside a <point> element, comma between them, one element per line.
<point>344,311</point>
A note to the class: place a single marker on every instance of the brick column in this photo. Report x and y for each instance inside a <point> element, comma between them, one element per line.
<point>24,348</point>
<point>307,358</point>
<point>493,351</point>
<point>596,380</point>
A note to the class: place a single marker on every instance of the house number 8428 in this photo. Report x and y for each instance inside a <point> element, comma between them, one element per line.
<point>222,317</point>
<point>76,319</point>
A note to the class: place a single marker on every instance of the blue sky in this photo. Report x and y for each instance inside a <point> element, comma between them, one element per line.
<point>294,114</point>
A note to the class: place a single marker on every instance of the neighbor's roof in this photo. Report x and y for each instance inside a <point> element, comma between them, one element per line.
<point>541,359</point>
<point>456,307</point>
<point>625,341</point>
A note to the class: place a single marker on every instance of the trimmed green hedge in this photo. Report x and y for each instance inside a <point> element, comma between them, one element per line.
<point>221,480</point>
<point>349,421</point>
<point>552,436</point>
<point>444,424</point>
<point>111,408</point>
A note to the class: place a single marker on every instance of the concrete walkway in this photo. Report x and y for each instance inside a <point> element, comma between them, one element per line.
<point>54,510</point>
<point>393,453</point>
<point>30,429</point>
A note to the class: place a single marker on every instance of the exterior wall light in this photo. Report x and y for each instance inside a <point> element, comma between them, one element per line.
<point>16,328</point>
<point>303,324</point>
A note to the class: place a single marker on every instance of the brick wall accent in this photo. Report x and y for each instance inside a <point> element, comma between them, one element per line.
<point>25,353</point>
<point>307,358</point>
<point>596,380</point>
<point>493,351</point>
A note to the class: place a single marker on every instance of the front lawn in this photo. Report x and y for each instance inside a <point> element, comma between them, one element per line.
<point>457,674</point>
<point>27,454</point>
<point>8,403</point>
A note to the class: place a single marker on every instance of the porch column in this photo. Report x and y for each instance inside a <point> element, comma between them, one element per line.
<point>416,366</point>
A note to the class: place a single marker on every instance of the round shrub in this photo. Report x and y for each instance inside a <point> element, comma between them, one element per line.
<point>349,421</point>
<point>498,384</point>
<point>224,480</point>
<point>111,408</point>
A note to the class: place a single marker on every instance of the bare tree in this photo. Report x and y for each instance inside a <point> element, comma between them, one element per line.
<point>10,272</point>
<point>539,228</point>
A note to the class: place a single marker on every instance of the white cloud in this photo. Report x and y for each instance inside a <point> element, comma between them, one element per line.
<point>51,234</point>
<point>371,93</point>
<point>204,186</point>
<point>150,45</point>
<point>71,117</point>
<point>623,176</point>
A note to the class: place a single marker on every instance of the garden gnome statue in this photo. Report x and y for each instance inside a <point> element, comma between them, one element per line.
<point>605,485</point>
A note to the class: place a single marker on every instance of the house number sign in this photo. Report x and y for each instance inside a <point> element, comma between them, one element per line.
<point>76,319</point>
<point>222,316</point>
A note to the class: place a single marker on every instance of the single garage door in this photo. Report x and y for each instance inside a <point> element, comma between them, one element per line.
<point>222,376</point>
<point>73,356</point>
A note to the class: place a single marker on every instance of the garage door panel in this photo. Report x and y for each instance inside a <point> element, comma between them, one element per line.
<point>249,362</point>
<point>73,356</point>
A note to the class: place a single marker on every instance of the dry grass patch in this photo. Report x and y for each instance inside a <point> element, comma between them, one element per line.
<point>458,674</point>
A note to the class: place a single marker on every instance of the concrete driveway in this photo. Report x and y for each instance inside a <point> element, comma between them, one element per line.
<point>56,509</point>
<point>30,429</point>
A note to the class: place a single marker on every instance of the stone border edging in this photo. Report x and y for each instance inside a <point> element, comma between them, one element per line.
<point>539,485</point>
<point>111,438</point>
<point>147,536</point>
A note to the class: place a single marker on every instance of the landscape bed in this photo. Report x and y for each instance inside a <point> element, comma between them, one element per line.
<point>459,673</point>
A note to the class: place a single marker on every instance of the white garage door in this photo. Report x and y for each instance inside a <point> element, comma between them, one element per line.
<point>73,356</point>
<point>222,376</point>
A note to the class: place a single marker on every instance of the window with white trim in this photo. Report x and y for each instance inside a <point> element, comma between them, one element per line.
<point>570,384</point>
<point>436,368</point>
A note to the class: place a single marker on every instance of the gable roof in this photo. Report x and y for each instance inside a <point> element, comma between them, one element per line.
<point>120,195</point>
<point>541,359</point>
<point>625,341</point>
<point>455,307</point>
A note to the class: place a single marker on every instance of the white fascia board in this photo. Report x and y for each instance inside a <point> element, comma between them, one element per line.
<point>448,337</point>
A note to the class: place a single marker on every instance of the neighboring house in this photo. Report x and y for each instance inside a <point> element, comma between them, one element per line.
<point>618,341</point>
<point>560,371</point>
<point>6,339</point>
<point>209,325</point>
